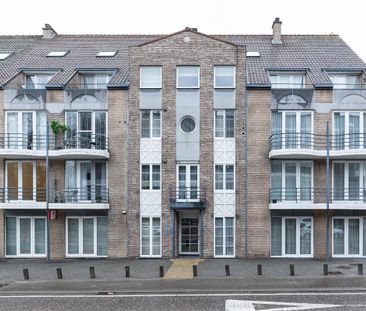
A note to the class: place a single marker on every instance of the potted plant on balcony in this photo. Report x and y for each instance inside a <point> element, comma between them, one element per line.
<point>58,130</point>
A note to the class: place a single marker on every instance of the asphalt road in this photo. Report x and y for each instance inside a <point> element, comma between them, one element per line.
<point>186,302</point>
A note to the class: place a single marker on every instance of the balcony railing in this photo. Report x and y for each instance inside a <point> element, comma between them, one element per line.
<point>91,194</point>
<point>316,195</point>
<point>294,140</point>
<point>187,194</point>
<point>38,142</point>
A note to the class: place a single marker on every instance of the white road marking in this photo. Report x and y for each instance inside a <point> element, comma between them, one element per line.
<point>290,306</point>
<point>238,305</point>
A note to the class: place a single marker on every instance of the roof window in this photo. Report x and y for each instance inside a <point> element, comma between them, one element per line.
<point>57,53</point>
<point>4,55</point>
<point>107,54</point>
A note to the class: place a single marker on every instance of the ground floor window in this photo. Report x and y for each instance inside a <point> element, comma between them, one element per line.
<point>86,236</point>
<point>292,236</point>
<point>349,236</point>
<point>150,237</point>
<point>224,236</point>
<point>25,236</point>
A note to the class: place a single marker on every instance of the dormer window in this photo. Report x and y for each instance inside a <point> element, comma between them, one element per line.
<point>37,81</point>
<point>95,81</point>
<point>287,81</point>
<point>345,81</point>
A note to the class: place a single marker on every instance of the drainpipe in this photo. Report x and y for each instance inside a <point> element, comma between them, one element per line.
<point>47,191</point>
<point>245,207</point>
<point>327,195</point>
<point>173,233</point>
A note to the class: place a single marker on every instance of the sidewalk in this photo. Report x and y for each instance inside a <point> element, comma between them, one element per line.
<point>11,270</point>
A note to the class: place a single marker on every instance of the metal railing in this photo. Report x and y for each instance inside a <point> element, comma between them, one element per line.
<point>295,140</point>
<point>91,194</point>
<point>38,142</point>
<point>316,195</point>
<point>188,194</point>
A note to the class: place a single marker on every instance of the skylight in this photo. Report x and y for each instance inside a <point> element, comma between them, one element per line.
<point>4,55</point>
<point>253,54</point>
<point>106,53</point>
<point>57,53</point>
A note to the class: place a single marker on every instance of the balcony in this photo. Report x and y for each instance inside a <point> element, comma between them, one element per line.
<point>22,98</point>
<point>315,198</point>
<point>78,146</point>
<point>187,198</point>
<point>313,146</point>
<point>350,94</point>
<point>92,197</point>
<point>78,95</point>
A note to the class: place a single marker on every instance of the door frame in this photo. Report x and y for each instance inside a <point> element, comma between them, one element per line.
<point>190,215</point>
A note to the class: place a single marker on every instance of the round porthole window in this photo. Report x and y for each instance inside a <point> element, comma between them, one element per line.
<point>187,124</point>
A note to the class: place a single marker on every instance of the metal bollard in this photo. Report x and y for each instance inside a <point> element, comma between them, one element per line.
<point>127,268</point>
<point>325,269</point>
<point>259,269</point>
<point>194,270</point>
<point>227,270</point>
<point>292,269</point>
<point>92,272</point>
<point>360,268</point>
<point>26,274</point>
<point>59,273</point>
<point>161,271</point>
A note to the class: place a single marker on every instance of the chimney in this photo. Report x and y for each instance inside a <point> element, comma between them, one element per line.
<point>48,32</point>
<point>276,27</point>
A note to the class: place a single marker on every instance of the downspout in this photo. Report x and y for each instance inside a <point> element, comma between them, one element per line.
<point>128,174</point>
<point>245,209</point>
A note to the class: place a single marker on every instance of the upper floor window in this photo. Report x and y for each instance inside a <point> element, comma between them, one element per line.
<point>343,81</point>
<point>188,77</point>
<point>150,77</point>
<point>95,81</point>
<point>224,77</point>
<point>291,129</point>
<point>37,81</point>
<point>287,81</point>
<point>150,177</point>
<point>224,123</point>
<point>224,177</point>
<point>150,124</point>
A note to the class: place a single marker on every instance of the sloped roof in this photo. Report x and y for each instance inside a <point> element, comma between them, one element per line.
<point>311,52</point>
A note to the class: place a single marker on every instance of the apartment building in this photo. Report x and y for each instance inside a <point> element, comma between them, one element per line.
<point>185,144</point>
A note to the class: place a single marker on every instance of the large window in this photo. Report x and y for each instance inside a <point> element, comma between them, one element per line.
<point>84,181</point>
<point>37,81</point>
<point>344,81</point>
<point>224,237</point>
<point>150,124</point>
<point>224,77</point>
<point>287,81</point>
<point>86,129</point>
<point>86,236</point>
<point>25,236</point>
<point>25,130</point>
<point>224,177</point>
<point>349,236</point>
<point>292,129</point>
<point>150,237</point>
<point>291,181</point>
<point>292,236</point>
<point>150,77</point>
<point>349,180</point>
<point>95,81</point>
<point>25,180</point>
<point>349,130</point>
<point>188,77</point>
<point>225,123</point>
<point>150,177</point>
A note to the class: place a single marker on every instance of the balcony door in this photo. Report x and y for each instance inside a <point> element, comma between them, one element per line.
<point>188,182</point>
<point>189,235</point>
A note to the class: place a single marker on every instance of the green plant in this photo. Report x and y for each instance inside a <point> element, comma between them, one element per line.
<point>57,127</point>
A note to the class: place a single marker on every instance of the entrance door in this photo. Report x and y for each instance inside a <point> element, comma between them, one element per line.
<point>188,182</point>
<point>189,236</point>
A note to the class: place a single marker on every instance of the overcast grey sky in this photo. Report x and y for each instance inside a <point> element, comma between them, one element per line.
<point>346,18</point>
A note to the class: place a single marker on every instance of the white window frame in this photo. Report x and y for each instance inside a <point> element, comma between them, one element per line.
<point>150,177</point>
<point>150,237</point>
<point>191,86</point>
<point>298,235</point>
<point>151,112</point>
<point>345,85</point>
<point>188,180</point>
<point>225,111</point>
<point>81,240</point>
<point>298,179</point>
<point>276,83</point>
<point>95,76</point>
<point>36,82</point>
<point>346,237</point>
<point>234,80</point>
<point>346,128</point>
<point>224,238</point>
<point>32,236</point>
<point>159,83</point>
<point>362,163</point>
<point>224,178</point>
